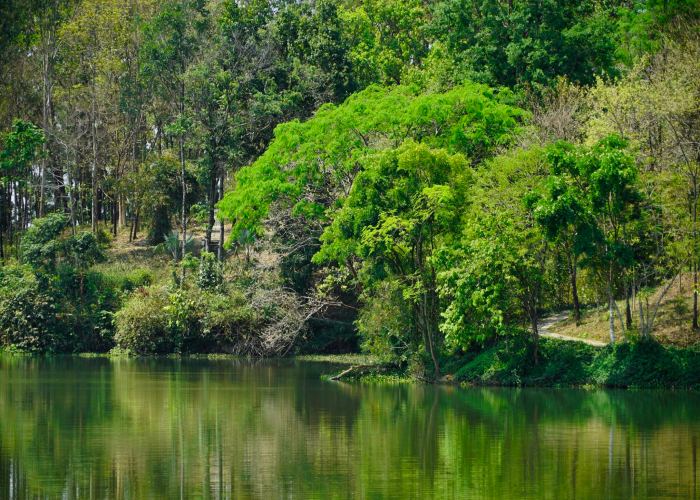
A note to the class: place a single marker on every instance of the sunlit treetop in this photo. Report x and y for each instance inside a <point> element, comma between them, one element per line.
<point>310,164</point>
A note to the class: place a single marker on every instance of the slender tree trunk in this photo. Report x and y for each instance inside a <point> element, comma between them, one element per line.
<point>574,287</point>
<point>115,216</point>
<point>611,306</point>
<point>93,167</point>
<point>46,99</point>
<point>212,200</point>
<point>628,308</point>
<point>181,142</point>
<point>535,333</point>
<point>695,296</point>
<point>2,225</point>
<point>220,249</point>
<point>134,225</point>
<point>122,210</point>
<point>428,334</point>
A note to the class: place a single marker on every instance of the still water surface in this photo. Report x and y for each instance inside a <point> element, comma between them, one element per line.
<point>100,428</point>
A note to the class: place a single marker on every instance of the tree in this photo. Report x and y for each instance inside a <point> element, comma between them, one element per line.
<point>527,42</point>
<point>604,178</point>
<point>399,209</point>
<point>21,148</point>
<point>169,44</point>
<point>491,280</point>
<point>656,109</point>
<point>563,213</point>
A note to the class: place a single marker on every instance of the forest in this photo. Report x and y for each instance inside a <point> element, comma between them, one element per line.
<point>423,181</point>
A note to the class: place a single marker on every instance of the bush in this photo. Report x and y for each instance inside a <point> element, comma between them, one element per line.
<point>228,321</point>
<point>186,321</point>
<point>210,275</point>
<point>129,280</point>
<point>143,325</point>
<point>644,363</point>
<point>28,315</point>
<point>384,321</point>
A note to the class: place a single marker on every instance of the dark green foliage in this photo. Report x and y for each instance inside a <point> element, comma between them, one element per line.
<point>526,42</point>
<point>154,321</point>
<point>45,245</point>
<point>210,274</point>
<point>643,364</point>
<point>41,245</point>
<point>21,146</point>
<point>142,325</point>
<point>28,312</point>
<point>160,226</point>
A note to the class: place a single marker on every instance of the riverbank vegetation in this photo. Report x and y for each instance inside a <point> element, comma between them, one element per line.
<point>421,181</point>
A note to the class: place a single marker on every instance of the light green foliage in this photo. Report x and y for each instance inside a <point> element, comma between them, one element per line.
<point>385,38</point>
<point>325,152</point>
<point>156,321</point>
<point>605,180</point>
<point>405,203</point>
<point>491,281</point>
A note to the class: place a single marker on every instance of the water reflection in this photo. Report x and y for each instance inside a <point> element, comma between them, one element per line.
<point>99,428</point>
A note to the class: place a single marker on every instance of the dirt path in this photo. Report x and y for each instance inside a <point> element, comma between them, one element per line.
<point>545,325</point>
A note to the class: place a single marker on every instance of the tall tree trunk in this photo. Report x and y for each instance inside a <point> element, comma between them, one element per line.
<point>220,249</point>
<point>2,224</point>
<point>122,210</point>
<point>47,37</point>
<point>535,333</point>
<point>115,216</point>
<point>181,142</point>
<point>574,287</point>
<point>628,307</point>
<point>212,201</point>
<point>93,167</point>
<point>611,306</point>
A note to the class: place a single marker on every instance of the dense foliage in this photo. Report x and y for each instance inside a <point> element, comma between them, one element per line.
<point>430,178</point>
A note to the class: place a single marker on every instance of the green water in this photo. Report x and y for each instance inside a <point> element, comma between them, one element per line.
<point>100,428</point>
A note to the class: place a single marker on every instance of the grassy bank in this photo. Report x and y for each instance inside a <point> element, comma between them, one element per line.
<point>643,364</point>
<point>511,362</point>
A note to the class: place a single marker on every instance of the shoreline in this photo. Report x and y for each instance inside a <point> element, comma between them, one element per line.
<point>506,363</point>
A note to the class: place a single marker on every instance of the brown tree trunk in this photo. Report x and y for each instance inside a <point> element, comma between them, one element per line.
<point>535,335</point>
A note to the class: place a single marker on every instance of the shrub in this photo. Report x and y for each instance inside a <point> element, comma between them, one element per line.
<point>210,275</point>
<point>28,315</point>
<point>143,326</point>
<point>128,280</point>
<point>229,321</point>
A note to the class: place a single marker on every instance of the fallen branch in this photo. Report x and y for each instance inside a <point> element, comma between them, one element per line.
<point>357,370</point>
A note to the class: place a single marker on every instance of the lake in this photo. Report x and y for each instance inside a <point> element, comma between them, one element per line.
<point>75,427</point>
